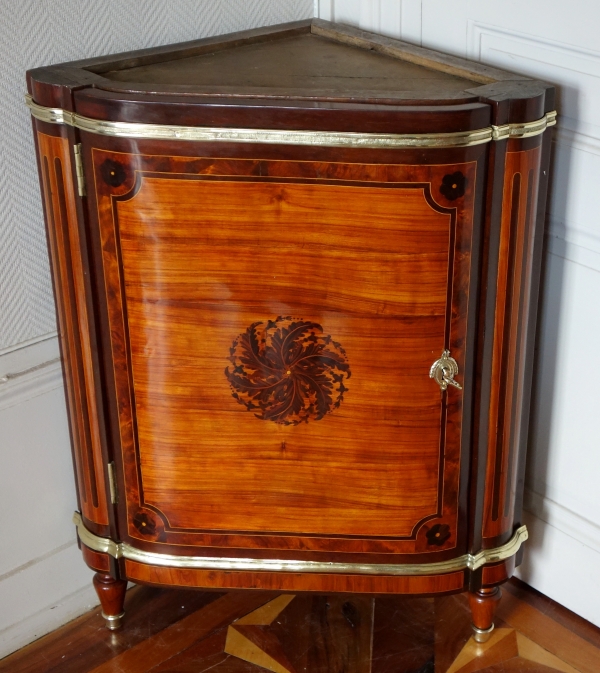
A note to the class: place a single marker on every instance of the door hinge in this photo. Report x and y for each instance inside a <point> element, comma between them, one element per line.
<point>112,483</point>
<point>79,169</point>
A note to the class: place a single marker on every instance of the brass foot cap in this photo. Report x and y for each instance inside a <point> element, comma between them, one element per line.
<point>113,622</point>
<point>481,635</point>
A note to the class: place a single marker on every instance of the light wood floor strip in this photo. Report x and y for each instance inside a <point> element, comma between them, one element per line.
<point>550,635</point>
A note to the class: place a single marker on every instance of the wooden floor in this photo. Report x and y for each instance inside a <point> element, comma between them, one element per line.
<point>171,631</point>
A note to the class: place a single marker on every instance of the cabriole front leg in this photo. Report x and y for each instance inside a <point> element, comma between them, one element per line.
<point>111,593</point>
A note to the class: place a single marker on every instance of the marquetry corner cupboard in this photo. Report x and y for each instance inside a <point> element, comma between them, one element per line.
<point>296,272</point>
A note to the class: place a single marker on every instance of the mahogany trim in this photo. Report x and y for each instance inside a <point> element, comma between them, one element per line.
<point>74,325</point>
<point>282,581</point>
<point>322,138</point>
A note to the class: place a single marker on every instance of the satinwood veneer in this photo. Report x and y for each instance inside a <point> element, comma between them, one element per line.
<point>296,273</point>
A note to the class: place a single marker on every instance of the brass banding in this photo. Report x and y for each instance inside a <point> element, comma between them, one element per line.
<point>526,129</point>
<point>467,561</point>
<point>289,137</point>
<point>481,635</point>
<point>113,622</point>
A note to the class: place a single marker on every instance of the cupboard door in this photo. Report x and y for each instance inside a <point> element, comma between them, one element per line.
<point>272,328</point>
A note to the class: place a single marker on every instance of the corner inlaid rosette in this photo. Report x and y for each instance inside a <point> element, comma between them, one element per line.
<point>288,371</point>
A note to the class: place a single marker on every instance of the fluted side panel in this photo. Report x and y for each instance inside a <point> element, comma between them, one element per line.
<point>74,324</point>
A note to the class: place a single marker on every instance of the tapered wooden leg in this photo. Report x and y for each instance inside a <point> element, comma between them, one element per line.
<point>111,593</point>
<point>483,605</point>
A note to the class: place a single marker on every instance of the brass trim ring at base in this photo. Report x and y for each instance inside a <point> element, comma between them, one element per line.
<point>291,137</point>
<point>482,635</point>
<point>113,622</point>
<point>467,561</point>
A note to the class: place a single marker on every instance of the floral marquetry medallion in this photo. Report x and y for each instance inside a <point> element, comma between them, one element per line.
<point>288,371</point>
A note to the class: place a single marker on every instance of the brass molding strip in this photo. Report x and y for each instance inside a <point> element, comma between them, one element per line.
<point>272,136</point>
<point>89,539</point>
<point>470,561</point>
<point>525,130</point>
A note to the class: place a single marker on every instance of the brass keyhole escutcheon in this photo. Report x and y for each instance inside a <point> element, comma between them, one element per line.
<point>444,370</point>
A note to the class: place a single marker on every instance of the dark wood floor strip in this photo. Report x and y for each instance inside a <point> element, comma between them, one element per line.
<point>85,643</point>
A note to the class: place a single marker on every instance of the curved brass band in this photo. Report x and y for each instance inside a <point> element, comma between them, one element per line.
<point>526,129</point>
<point>470,561</point>
<point>273,136</point>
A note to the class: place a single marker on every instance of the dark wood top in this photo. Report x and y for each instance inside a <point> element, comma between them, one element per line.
<point>311,61</point>
<point>302,62</point>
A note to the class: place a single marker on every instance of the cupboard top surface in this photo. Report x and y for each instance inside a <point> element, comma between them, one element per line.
<point>310,63</point>
<point>300,62</point>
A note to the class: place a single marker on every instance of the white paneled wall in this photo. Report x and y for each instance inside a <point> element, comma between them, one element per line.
<point>43,579</point>
<point>396,18</point>
<point>557,42</point>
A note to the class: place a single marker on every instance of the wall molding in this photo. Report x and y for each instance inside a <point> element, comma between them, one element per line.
<point>30,342</point>
<point>32,384</point>
<point>571,68</point>
<point>572,252</point>
<point>48,619</point>
<point>37,559</point>
<point>561,542</point>
<point>562,568</point>
<point>574,235</point>
<point>395,18</point>
<point>577,140</point>
<point>324,9</point>
<point>574,70</point>
<point>33,606</point>
<point>29,370</point>
<point>475,29</point>
<point>24,356</point>
<point>565,520</point>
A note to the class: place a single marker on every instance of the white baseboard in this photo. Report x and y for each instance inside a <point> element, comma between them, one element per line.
<point>30,385</point>
<point>31,370</point>
<point>43,595</point>
<point>50,618</point>
<point>565,520</point>
<point>562,556</point>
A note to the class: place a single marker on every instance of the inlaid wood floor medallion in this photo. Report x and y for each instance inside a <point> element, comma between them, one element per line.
<point>248,638</point>
<point>169,631</point>
<point>506,646</point>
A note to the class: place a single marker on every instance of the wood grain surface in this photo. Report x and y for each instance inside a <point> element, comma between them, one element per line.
<point>513,313</point>
<point>287,581</point>
<point>111,593</point>
<point>380,266</point>
<point>364,57</point>
<point>498,572</point>
<point>307,62</point>
<point>75,329</point>
<point>97,561</point>
<point>257,322</point>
